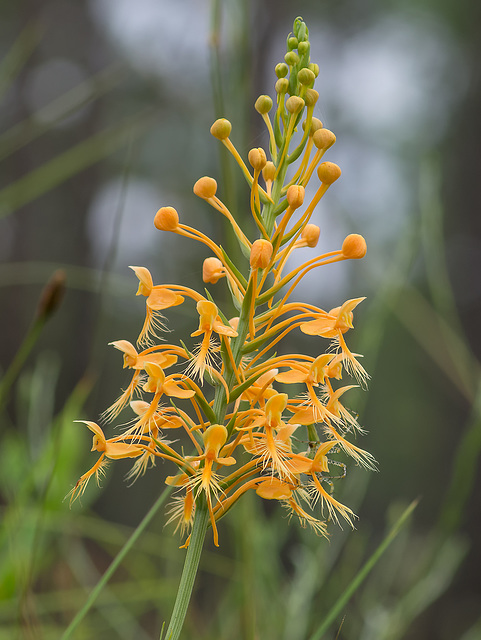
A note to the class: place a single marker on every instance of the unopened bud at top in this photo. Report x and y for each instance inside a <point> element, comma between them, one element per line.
<point>306,76</point>
<point>205,187</point>
<point>323,138</point>
<point>263,104</point>
<point>221,129</point>
<point>261,253</point>
<point>294,104</point>
<point>166,219</point>
<point>310,235</point>
<point>257,158</point>
<point>354,247</point>
<point>269,171</point>
<point>281,70</point>
<point>328,172</point>
<point>295,196</point>
<point>212,270</point>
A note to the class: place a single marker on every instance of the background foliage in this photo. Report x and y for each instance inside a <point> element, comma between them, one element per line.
<point>105,110</point>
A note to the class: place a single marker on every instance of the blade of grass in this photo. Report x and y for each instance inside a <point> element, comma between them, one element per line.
<point>115,564</point>
<point>66,164</point>
<point>18,54</point>
<point>45,118</point>
<point>362,574</point>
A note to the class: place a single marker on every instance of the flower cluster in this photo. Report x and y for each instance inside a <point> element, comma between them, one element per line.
<point>227,391</point>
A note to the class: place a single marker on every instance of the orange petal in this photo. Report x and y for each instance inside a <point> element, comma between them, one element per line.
<point>162,298</point>
<point>117,450</point>
<point>146,282</point>
<point>303,416</point>
<point>320,327</point>
<point>224,329</point>
<point>173,389</point>
<point>274,489</point>
<point>291,377</point>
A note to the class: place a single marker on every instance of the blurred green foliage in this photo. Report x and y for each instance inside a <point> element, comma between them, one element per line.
<point>268,580</point>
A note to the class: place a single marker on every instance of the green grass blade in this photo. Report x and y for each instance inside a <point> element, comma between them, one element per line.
<point>65,165</point>
<point>69,102</point>
<point>18,54</point>
<point>336,610</point>
<point>115,564</point>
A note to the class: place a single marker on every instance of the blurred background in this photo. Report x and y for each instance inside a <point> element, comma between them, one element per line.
<point>105,109</point>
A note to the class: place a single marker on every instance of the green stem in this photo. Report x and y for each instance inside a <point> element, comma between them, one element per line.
<point>20,358</point>
<point>201,522</point>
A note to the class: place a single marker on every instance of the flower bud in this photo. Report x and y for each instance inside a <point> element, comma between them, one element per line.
<point>303,48</point>
<point>221,129</point>
<point>306,76</point>
<point>295,196</point>
<point>166,219</point>
<point>314,68</point>
<point>281,70</point>
<point>323,138</point>
<point>205,187</point>
<point>291,58</point>
<point>52,294</point>
<point>269,171</point>
<point>292,43</point>
<point>212,270</point>
<point>354,247</point>
<point>328,172</point>
<point>294,104</point>
<point>282,85</point>
<point>315,125</point>
<point>261,253</point>
<point>311,97</point>
<point>263,104</point>
<point>310,235</point>
<point>257,158</point>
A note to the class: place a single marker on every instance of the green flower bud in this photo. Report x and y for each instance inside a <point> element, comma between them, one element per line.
<point>292,43</point>
<point>306,76</point>
<point>314,68</point>
<point>281,70</point>
<point>300,29</point>
<point>291,58</point>
<point>282,85</point>
<point>294,104</point>
<point>221,129</point>
<point>311,97</point>
<point>263,104</point>
<point>304,48</point>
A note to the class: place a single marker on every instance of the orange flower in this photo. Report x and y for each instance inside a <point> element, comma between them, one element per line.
<point>158,299</point>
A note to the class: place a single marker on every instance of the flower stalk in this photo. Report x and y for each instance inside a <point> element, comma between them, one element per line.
<point>231,391</point>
